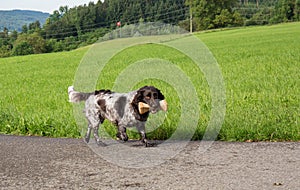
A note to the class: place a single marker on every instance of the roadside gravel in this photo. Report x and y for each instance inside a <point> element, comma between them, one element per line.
<point>49,163</point>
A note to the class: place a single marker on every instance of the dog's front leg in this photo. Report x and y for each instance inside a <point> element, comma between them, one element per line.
<point>141,129</point>
<point>98,141</point>
<point>122,133</point>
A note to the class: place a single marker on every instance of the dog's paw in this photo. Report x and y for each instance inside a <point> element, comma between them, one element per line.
<point>86,140</point>
<point>122,136</point>
<point>150,145</point>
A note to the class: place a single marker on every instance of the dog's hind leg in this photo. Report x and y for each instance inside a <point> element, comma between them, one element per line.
<point>94,123</point>
<point>88,134</point>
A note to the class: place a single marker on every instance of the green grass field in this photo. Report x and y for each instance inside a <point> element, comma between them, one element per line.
<point>260,66</point>
<point>261,70</point>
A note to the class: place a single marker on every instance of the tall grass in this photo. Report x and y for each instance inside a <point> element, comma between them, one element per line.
<point>261,70</point>
<point>260,66</point>
<point>33,94</point>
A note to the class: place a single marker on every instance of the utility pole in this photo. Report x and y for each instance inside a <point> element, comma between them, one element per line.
<point>191,18</point>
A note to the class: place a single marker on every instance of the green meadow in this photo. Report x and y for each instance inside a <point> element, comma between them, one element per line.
<point>260,67</point>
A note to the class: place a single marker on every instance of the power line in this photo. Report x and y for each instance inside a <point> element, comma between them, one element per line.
<point>166,15</point>
<point>107,25</point>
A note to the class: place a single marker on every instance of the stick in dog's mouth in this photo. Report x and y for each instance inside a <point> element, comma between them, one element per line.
<point>143,108</point>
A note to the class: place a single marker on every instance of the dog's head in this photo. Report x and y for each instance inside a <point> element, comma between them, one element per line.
<point>150,99</point>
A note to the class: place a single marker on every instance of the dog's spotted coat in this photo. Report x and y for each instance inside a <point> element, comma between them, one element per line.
<point>119,108</point>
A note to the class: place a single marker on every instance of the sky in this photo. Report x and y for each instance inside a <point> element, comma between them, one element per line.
<point>47,6</point>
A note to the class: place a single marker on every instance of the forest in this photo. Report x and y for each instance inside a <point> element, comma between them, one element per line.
<point>15,19</point>
<point>69,28</point>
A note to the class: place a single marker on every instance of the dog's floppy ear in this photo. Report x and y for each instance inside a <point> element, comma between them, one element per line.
<point>138,101</point>
<point>141,109</point>
<point>139,97</point>
<point>163,103</point>
<point>160,95</point>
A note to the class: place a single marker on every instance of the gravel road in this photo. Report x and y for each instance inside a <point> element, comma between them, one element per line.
<point>48,163</point>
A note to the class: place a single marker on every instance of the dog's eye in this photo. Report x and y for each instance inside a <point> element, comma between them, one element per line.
<point>155,95</point>
<point>148,96</point>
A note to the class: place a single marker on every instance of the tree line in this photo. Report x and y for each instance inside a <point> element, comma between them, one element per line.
<point>70,28</point>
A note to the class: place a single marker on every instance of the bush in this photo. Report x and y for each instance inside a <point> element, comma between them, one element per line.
<point>22,48</point>
<point>32,43</point>
<point>262,17</point>
<point>224,19</point>
<point>5,51</point>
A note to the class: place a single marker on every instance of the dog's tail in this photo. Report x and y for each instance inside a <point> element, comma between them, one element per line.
<point>76,97</point>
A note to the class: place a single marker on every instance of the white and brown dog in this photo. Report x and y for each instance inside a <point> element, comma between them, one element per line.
<point>122,109</point>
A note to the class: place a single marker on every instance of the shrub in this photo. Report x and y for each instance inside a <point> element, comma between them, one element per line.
<point>22,48</point>
<point>32,43</point>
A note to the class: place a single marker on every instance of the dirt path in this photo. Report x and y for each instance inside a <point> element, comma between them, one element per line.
<point>47,163</point>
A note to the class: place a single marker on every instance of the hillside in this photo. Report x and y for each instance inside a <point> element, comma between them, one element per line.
<point>15,19</point>
<point>260,68</point>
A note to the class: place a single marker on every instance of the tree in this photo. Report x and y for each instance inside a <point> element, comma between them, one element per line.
<point>24,29</point>
<point>5,51</point>
<point>5,32</point>
<point>223,19</point>
<point>286,10</point>
<point>55,16</point>
<point>4,38</point>
<point>297,10</point>
<point>32,43</point>
<point>63,10</point>
<point>212,14</point>
<point>22,48</point>
<point>13,35</point>
<point>101,13</point>
<point>34,27</point>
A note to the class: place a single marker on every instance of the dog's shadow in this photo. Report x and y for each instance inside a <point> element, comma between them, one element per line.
<point>129,143</point>
<point>138,144</point>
